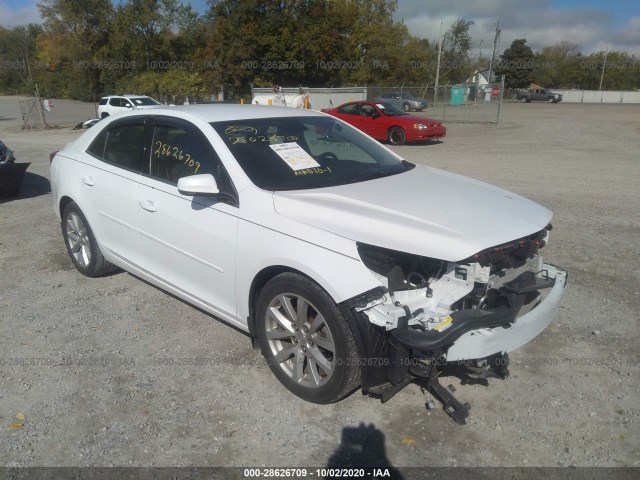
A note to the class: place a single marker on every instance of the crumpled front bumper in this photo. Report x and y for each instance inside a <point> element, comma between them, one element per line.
<point>483,343</point>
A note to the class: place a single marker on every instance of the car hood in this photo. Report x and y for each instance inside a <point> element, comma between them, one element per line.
<point>423,211</point>
<point>412,119</point>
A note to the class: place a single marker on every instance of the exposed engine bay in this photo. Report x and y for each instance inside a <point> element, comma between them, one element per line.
<point>423,292</point>
<point>435,311</point>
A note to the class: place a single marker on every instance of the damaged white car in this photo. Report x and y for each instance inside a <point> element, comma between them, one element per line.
<point>347,265</point>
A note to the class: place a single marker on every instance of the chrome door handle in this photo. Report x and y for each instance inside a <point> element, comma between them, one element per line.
<point>148,206</point>
<point>88,181</point>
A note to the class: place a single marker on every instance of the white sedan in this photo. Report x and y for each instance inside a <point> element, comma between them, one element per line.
<point>347,265</point>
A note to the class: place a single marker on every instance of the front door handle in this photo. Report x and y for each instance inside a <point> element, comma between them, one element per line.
<point>88,181</point>
<point>148,205</point>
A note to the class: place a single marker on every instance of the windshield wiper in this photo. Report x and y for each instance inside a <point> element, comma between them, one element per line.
<point>373,176</point>
<point>383,173</point>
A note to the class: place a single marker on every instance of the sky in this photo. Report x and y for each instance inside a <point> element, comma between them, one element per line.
<point>592,24</point>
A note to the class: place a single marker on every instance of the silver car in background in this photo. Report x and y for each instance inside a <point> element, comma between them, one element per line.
<point>402,100</point>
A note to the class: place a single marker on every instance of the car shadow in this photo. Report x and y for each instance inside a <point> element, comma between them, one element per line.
<point>427,142</point>
<point>33,185</point>
<point>361,447</point>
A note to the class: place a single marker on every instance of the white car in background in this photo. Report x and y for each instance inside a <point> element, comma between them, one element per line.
<point>113,104</point>
<point>346,264</point>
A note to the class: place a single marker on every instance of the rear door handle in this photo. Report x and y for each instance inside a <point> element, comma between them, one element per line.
<point>88,181</point>
<point>148,205</point>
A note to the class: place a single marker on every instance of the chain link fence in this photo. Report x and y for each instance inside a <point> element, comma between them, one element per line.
<point>32,112</point>
<point>466,103</point>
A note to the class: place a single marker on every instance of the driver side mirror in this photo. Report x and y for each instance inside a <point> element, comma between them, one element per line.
<point>200,184</point>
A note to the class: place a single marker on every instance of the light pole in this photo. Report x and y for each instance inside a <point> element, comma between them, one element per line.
<point>493,55</point>
<point>603,65</point>
<point>435,93</point>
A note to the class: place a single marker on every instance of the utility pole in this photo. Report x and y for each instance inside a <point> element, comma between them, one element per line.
<point>603,65</point>
<point>435,93</point>
<point>493,55</point>
<point>480,53</point>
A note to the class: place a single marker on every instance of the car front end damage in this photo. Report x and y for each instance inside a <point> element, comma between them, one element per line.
<point>430,315</point>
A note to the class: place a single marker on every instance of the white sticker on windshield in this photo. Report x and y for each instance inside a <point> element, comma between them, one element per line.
<point>294,156</point>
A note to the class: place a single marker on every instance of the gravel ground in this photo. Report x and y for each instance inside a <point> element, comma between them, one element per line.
<point>85,364</point>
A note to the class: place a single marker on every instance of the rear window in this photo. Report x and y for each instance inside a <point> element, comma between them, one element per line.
<point>103,101</point>
<point>144,101</point>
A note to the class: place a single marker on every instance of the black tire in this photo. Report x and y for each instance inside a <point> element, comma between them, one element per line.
<point>524,99</point>
<point>406,107</point>
<point>397,136</point>
<point>81,243</point>
<point>550,100</point>
<point>104,115</point>
<point>297,325</point>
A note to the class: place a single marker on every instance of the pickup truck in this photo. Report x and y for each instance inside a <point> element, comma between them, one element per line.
<point>541,95</point>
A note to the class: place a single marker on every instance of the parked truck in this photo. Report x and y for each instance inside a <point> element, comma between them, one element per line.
<point>540,95</point>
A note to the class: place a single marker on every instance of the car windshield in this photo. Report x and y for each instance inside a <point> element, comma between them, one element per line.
<point>144,101</point>
<point>390,110</point>
<point>292,153</point>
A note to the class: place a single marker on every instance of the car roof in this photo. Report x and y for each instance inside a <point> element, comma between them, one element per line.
<point>224,112</point>
<point>127,95</point>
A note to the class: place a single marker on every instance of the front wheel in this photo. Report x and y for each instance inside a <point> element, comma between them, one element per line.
<point>406,107</point>
<point>306,340</point>
<point>550,100</point>
<point>397,136</point>
<point>523,99</point>
<point>81,243</point>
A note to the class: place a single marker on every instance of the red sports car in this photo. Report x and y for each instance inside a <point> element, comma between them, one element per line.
<point>386,122</point>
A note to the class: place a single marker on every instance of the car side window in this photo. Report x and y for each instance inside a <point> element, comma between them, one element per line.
<point>367,110</point>
<point>350,109</point>
<point>178,151</point>
<point>121,145</point>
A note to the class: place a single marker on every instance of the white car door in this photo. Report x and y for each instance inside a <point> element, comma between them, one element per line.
<point>109,172</point>
<point>189,242</point>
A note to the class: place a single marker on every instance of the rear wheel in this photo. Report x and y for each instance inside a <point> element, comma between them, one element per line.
<point>81,243</point>
<point>306,340</point>
<point>550,100</point>
<point>397,136</point>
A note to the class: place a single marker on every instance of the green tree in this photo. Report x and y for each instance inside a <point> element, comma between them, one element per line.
<point>74,33</point>
<point>455,64</point>
<point>313,42</point>
<point>372,41</point>
<point>271,41</point>
<point>517,65</point>
<point>18,55</point>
